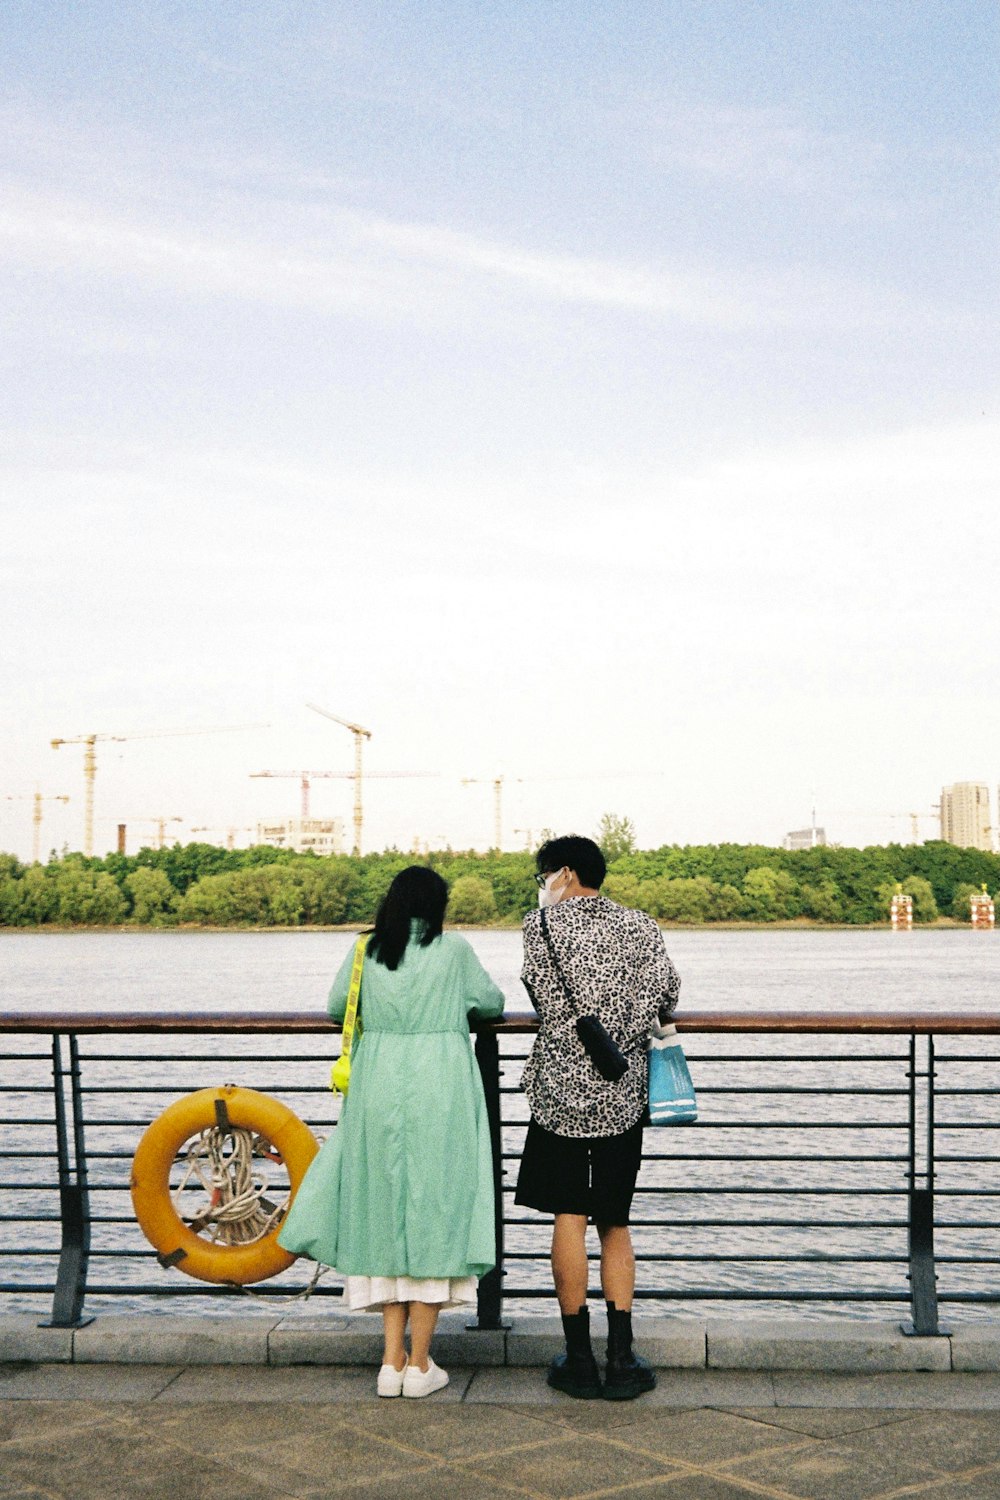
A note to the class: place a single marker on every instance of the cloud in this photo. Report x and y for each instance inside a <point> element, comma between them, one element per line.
<point>335,260</point>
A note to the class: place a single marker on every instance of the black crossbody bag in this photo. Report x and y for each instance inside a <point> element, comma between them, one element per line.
<point>603,1051</point>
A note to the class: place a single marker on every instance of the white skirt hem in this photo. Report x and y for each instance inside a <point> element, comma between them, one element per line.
<point>373,1292</point>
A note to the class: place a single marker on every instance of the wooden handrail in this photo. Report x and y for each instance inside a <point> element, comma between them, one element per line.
<point>886,1023</point>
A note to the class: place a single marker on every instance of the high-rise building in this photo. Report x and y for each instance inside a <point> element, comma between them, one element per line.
<point>806,838</point>
<point>318,835</point>
<point>965,815</point>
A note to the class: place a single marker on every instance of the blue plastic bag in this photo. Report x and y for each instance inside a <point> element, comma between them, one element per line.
<point>671,1092</point>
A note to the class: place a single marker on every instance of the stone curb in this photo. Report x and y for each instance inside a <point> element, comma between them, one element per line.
<point>841,1346</point>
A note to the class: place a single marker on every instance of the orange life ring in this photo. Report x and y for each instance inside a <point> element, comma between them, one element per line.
<point>177,1243</point>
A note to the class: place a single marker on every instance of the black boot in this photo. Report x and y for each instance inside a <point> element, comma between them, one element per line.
<point>627,1375</point>
<point>576,1372</point>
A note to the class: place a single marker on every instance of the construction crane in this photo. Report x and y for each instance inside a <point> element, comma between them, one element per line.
<point>37,800</point>
<point>497,784</point>
<point>889,817</point>
<point>231,830</point>
<point>305,778</point>
<point>160,825</point>
<point>360,735</point>
<point>90,762</point>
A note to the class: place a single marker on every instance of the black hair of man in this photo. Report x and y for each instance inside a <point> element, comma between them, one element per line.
<point>572,852</point>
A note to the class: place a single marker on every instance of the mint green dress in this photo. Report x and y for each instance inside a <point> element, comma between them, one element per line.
<point>404,1185</point>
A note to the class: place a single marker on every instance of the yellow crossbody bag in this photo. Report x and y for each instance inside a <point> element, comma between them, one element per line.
<point>340,1073</point>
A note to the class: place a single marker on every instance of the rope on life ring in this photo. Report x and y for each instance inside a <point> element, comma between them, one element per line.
<point>220,1138</point>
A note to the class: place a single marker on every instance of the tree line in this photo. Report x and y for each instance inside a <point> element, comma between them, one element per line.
<point>203,885</point>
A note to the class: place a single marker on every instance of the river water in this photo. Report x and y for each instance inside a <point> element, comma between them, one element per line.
<point>744,1168</point>
<point>745,969</point>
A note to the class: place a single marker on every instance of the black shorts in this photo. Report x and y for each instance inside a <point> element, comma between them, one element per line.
<point>592,1175</point>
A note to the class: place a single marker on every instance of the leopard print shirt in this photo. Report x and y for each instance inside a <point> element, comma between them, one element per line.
<point>617,968</point>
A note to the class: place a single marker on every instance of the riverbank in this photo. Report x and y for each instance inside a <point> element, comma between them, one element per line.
<point>799,924</point>
<point>204,885</point>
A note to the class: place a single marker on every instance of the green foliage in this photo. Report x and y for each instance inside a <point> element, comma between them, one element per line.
<point>84,896</point>
<point>925,908</point>
<point>471,900</point>
<point>960,908</point>
<point>616,836</point>
<point>822,902</point>
<point>770,895</point>
<point>205,885</point>
<point>153,897</point>
<point>621,888</point>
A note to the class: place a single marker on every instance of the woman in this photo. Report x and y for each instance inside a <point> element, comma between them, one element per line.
<point>400,1199</point>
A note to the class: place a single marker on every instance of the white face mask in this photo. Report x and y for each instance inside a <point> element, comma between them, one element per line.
<point>546,895</point>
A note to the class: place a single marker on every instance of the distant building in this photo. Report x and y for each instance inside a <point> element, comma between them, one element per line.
<point>318,835</point>
<point>965,815</point>
<point>805,838</point>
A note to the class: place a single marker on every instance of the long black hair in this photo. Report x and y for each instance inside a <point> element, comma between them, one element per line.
<point>416,892</point>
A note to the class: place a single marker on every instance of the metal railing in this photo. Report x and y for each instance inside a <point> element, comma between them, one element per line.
<point>838,1158</point>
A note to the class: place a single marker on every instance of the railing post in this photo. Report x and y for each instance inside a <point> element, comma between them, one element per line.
<point>74,1200</point>
<point>920,1215</point>
<point>489,1301</point>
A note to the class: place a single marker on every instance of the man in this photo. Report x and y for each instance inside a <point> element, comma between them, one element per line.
<point>586,956</point>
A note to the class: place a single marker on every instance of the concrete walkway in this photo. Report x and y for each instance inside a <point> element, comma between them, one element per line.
<point>149,1432</point>
<point>265,1429</point>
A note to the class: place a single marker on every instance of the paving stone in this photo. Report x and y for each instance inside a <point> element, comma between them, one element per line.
<point>36,1418</point>
<point>564,1466</point>
<point>981,1484</point>
<point>227,1427</point>
<point>512,1387</point>
<point>902,1392</point>
<point>325,1341</point>
<point>457,1345</point>
<point>22,1339</point>
<point>851,1347</point>
<point>673,1388</point>
<point>346,1457</point>
<point>179,1340</point>
<point>975,1349</point>
<point>442,1482</point>
<point>98,1463</point>
<point>697,1487</point>
<point>84,1382</point>
<point>614,1417</point>
<point>248,1384</point>
<point>822,1422</point>
<point>668,1343</point>
<point>708,1437</point>
<point>534,1342</point>
<point>452,1431</point>
<point>859,1466</point>
<point>711,1388</point>
<point>950,1441</point>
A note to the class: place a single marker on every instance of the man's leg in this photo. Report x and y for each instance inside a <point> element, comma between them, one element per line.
<point>626,1375</point>
<point>616,1165</point>
<point>617,1265</point>
<point>574,1372</point>
<point>569,1261</point>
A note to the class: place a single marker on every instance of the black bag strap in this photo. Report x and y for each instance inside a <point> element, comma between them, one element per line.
<point>546,934</point>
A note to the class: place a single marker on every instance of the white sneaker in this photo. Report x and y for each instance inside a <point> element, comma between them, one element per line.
<point>417,1382</point>
<point>390,1380</point>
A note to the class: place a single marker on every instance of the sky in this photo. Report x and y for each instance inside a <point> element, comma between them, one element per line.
<point>601,397</point>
